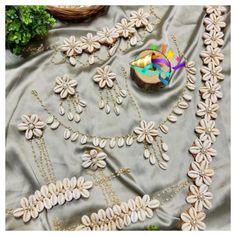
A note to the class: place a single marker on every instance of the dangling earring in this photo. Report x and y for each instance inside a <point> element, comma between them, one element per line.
<point>66,88</point>
<point>34,129</point>
<point>110,90</point>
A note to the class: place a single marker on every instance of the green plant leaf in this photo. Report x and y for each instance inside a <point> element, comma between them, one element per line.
<point>24,24</point>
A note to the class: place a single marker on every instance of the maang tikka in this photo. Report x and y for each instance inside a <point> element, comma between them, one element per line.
<point>110,90</point>
<point>69,97</point>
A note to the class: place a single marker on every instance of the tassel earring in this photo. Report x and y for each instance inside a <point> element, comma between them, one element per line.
<point>65,87</point>
<point>34,128</point>
<point>110,90</point>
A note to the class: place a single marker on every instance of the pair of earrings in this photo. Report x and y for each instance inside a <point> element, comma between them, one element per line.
<point>71,105</point>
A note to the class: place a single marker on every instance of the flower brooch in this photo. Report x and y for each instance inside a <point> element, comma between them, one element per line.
<point>32,126</point>
<point>94,159</point>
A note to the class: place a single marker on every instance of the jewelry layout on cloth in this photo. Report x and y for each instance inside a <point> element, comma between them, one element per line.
<point>126,29</point>
<point>33,128</point>
<point>104,182</point>
<point>121,215</point>
<point>65,87</point>
<point>110,90</point>
<point>154,147</point>
<point>54,194</point>
<point>202,151</point>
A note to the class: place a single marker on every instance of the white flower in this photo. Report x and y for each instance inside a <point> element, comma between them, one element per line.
<point>65,86</point>
<point>71,46</point>
<point>107,36</point>
<point>207,109</point>
<point>192,220</point>
<point>211,90</point>
<point>213,38</point>
<point>212,72</point>
<point>202,150</point>
<point>104,77</point>
<point>207,130</point>
<point>125,28</point>
<point>214,22</point>
<point>217,10</point>
<point>201,173</point>
<point>94,159</point>
<point>139,18</point>
<point>90,43</point>
<point>146,132</point>
<point>213,55</point>
<point>200,197</point>
<point>27,210</point>
<point>32,126</point>
<point>142,208</point>
<point>83,187</point>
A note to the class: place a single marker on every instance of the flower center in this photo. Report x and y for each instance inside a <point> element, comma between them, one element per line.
<point>146,131</point>
<point>65,85</point>
<point>214,38</point>
<point>31,126</point>
<point>193,222</point>
<point>212,91</point>
<point>201,197</point>
<point>202,173</point>
<point>208,109</point>
<point>208,130</point>
<point>203,151</point>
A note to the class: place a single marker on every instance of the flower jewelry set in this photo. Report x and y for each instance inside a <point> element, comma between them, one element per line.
<point>156,64</point>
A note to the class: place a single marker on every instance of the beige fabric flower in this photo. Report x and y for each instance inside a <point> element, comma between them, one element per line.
<point>142,208</point>
<point>94,159</point>
<point>217,10</point>
<point>213,38</point>
<point>139,18</point>
<point>104,77</point>
<point>200,197</point>
<point>146,132</point>
<point>90,43</point>
<point>71,46</point>
<point>214,22</point>
<point>212,55</point>
<point>32,126</point>
<point>212,72</point>
<point>125,28</point>
<point>207,130</point>
<point>107,36</point>
<point>211,90</point>
<point>192,220</point>
<point>207,109</point>
<point>65,86</point>
<point>201,173</point>
<point>202,150</point>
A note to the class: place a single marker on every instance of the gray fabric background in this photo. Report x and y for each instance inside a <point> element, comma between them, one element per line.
<point>37,72</point>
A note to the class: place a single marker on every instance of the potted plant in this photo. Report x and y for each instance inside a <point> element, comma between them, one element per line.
<point>24,25</point>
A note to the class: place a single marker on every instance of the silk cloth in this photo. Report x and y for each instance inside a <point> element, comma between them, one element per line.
<point>38,72</point>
